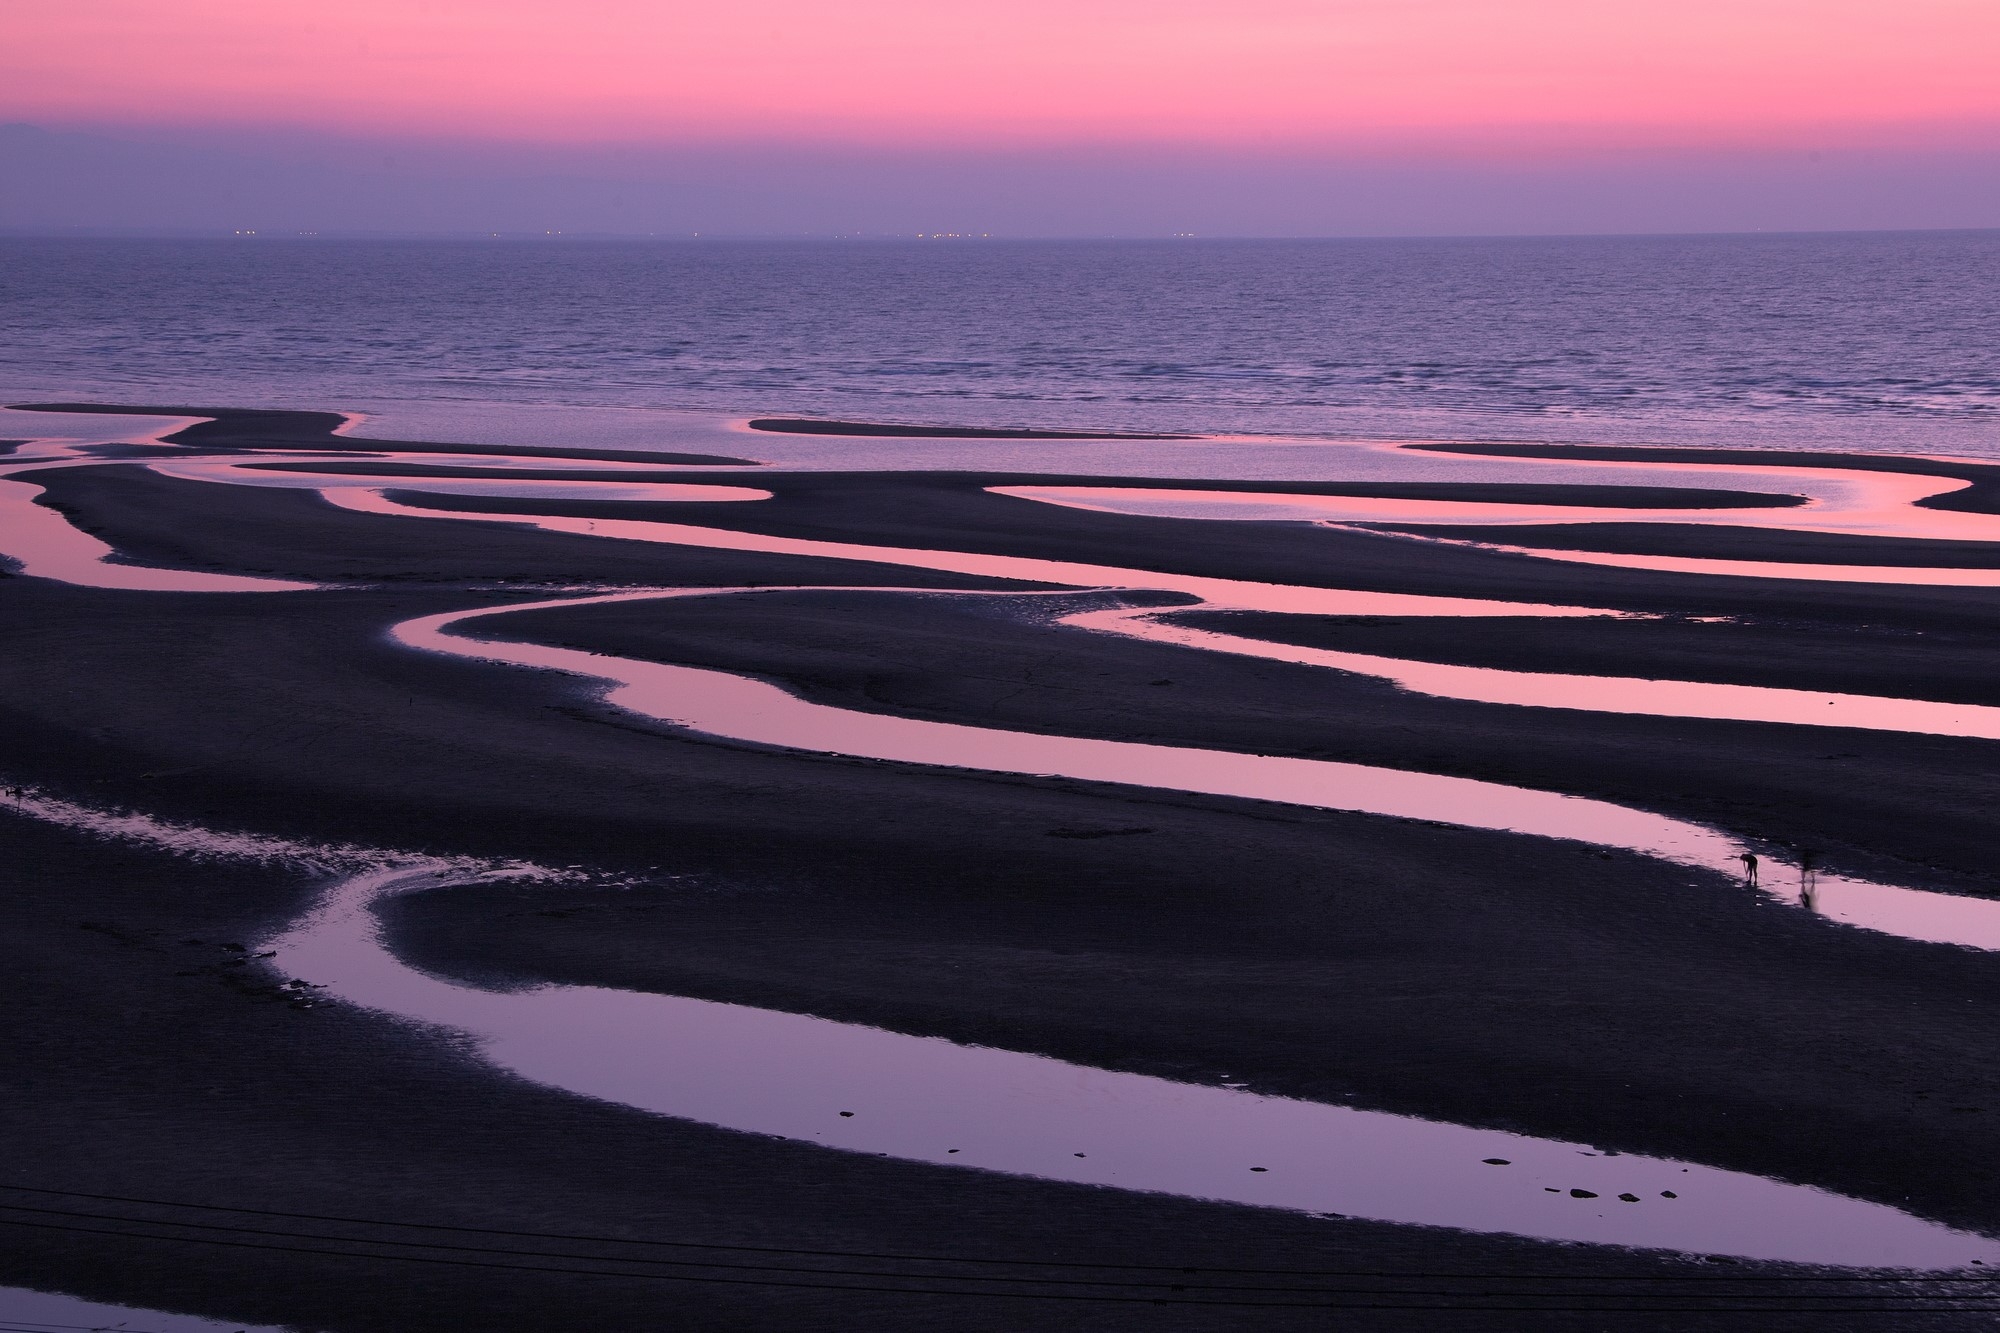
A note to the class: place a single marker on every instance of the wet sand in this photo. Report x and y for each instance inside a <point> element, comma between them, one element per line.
<point>1725,544</point>
<point>1982,497</point>
<point>805,426</point>
<point>1479,978</point>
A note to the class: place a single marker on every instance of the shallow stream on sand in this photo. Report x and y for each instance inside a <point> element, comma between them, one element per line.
<point>754,711</point>
<point>923,1099</point>
<point>926,1100</point>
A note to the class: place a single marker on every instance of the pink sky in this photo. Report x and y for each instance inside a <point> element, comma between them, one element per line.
<point>1478,73</point>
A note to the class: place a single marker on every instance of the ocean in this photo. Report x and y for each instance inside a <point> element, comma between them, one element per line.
<point>1493,879</point>
<point>1881,341</point>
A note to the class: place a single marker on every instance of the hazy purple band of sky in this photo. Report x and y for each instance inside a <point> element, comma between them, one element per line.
<point>287,182</point>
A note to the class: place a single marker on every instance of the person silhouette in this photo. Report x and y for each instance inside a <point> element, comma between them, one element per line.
<point>1749,860</point>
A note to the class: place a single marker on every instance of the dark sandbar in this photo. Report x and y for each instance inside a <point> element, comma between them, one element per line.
<point>1522,983</point>
<point>245,428</point>
<point>1982,497</point>
<point>1721,542</point>
<point>804,426</point>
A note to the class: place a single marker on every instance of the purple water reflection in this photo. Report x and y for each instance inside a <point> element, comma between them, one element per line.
<point>928,1100</point>
<point>1838,502</point>
<point>736,707</point>
<point>743,709</point>
<point>1233,593</point>
<point>1632,695</point>
<point>238,473</point>
<point>1933,576</point>
<point>922,1099</point>
<point>46,545</point>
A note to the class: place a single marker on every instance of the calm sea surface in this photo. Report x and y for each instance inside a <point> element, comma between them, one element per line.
<point>1887,341</point>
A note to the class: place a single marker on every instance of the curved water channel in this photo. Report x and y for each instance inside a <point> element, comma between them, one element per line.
<point>1845,498</point>
<point>923,1099</point>
<point>1630,695</point>
<point>718,703</point>
<point>1826,501</point>
<point>1832,502</point>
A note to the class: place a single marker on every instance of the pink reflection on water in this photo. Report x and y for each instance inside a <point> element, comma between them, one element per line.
<point>1933,918</point>
<point>918,1099</point>
<point>859,1089</point>
<point>1596,694</point>
<point>238,473</point>
<point>1839,502</point>
<point>1926,576</point>
<point>44,544</point>
<point>637,466</point>
<point>1268,506</point>
<point>76,430</point>
<point>719,704</point>
<point>1234,593</point>
<point>922,1099</point>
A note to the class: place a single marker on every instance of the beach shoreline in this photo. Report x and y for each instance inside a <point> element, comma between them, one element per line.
<point>1481,978</point>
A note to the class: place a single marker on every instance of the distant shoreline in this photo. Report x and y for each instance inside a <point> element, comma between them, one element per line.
<point>808,426</point>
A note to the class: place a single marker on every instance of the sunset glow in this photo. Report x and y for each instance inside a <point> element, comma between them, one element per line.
<point>1699,72</point>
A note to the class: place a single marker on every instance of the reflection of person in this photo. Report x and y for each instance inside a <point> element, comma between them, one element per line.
<point>1749,860</point>
<point>1808,882</point>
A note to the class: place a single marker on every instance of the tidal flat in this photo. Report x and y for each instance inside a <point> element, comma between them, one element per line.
<point>697,884</point>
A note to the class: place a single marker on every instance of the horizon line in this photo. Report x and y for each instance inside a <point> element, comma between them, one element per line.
<point>562,235</point>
